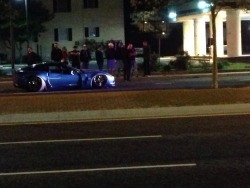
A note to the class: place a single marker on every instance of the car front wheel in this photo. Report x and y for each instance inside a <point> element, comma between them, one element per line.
<point>36,84</point>
<point>99,81</point>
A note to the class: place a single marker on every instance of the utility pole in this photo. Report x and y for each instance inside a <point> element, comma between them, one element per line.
<point>27,22</point>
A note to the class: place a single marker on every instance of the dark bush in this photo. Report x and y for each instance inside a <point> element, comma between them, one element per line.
<point>220,65</point>
<point>154,63</point>
<point>182,61</point>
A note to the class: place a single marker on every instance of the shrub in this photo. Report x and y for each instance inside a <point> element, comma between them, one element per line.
<point>182,61</point>
<point>154,63</point>
<point>220,65</point>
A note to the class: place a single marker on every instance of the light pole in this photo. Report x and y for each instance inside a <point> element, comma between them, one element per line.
<point>27,21</point>
<point>159,44</point>
<point>12,40</point>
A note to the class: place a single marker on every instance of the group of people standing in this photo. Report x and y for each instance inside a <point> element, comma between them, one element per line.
<point>124,58</point>
<point>119,58</point>
<point>78,58</point>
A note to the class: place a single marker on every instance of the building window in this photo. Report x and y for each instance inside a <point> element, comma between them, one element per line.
<point>62,5</point>
<point>90,3</point>
<point>92,32</point>
<point>63,34</point>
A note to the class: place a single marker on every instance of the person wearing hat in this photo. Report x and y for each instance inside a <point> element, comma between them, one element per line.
<point>85,57</point>
<point>74,56</point>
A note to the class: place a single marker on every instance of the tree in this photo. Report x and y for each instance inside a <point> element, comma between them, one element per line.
<point>14,12</point>
<point>151,12</point>
<point>215,6</point>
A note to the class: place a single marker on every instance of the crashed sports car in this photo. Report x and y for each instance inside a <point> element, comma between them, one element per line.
<point>58,76</point>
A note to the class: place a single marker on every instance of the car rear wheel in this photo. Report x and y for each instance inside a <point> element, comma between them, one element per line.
<point>36,84</point>
<point>99,81</point>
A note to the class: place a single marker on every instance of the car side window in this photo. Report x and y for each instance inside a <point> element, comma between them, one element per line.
<point>66,70</point>
<point>41,67</point>
<point>56,69</point>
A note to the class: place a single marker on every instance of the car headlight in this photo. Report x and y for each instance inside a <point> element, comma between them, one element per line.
<point>111,78</point>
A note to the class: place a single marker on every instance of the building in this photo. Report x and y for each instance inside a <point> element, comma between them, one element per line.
<point>232,24</point>
<point>76,21</point>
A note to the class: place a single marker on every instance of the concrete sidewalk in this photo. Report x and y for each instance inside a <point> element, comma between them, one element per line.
<point>99,115</point>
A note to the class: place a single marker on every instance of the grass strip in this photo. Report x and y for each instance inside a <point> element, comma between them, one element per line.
<point>121,100</point>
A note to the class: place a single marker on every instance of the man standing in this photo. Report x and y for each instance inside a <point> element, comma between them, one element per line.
<point>110,55</point>
<point>85,57</point>
<point>74,56</point>
<point>146,58</point>
<point>99,57</point>
<point>130,60</point>
<point>56,53</point>
<point>120,58</point>
<point>32,57</point>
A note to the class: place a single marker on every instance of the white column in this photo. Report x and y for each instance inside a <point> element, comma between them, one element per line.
<point>219,36</point>
<point>188,37</point>
<point>200,37</point>
<point>233,22</point>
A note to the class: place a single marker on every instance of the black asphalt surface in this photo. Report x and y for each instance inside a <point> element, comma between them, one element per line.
<point>166,81</point>
<point>171,152</point>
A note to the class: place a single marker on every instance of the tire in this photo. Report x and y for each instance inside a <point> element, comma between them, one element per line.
<point>36,84</point>
<point>99,81</point>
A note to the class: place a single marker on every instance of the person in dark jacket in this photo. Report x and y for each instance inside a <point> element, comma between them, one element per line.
<point>110,55</point>
<point>32,57</point>
<point>146,58</point>
<point>85,57</point>
<point>99,57</point>
<point>56,53</point>
<point>74,57</point>
<point>120,58</point>
<point>130,59</point>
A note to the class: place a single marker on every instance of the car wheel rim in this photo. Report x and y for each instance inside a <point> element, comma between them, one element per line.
<point>99,81</point>
<point>35,84</point>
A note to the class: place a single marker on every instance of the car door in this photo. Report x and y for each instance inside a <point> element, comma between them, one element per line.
<point>63,77</point>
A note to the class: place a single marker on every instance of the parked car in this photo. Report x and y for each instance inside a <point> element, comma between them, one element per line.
<point>58,76</point>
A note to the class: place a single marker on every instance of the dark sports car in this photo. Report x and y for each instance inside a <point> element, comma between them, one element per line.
<point>58,76</point>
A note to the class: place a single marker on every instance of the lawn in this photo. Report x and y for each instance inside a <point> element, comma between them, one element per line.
<point>121,100</point>
<point>222,67</point>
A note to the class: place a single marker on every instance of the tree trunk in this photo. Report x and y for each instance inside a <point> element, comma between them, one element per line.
<point>215,66</point>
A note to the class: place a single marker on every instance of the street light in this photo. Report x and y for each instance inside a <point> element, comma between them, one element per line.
<point>172,15</point>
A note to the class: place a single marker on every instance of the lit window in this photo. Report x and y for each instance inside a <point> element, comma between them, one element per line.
<point>90,3</point>
<point>92,32</point>
<point>62,5</point>
<point>63,34</point>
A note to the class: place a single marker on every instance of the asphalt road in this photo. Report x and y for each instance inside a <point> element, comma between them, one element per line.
<point>171,152</point>
<point>173,81</point>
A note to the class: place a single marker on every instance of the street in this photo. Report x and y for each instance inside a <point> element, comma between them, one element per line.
<point>168,81</point>
<point>168,152</point>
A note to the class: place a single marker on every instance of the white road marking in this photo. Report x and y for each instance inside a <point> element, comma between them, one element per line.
<point>80,140</point>
<point>99,169</point>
